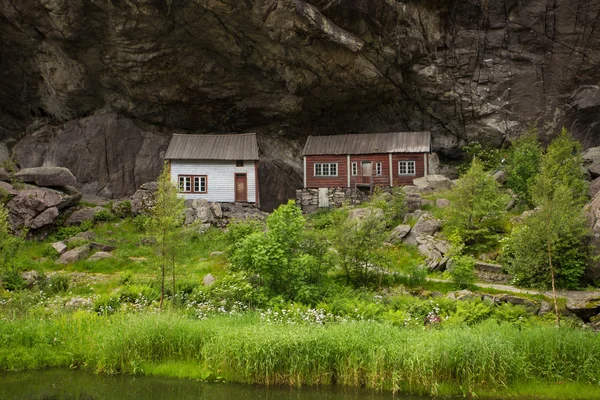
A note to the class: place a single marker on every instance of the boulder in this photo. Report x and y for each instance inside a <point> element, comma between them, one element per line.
<point>531,306</point>
<point>142,200</point>
<point>30,278</point>
<point>46,176</point>
<point>412,202</point>
<point>78,253</point>
<point>462,295</point>
<point>434,251</point>
<point>208,280</point>
<point>101,246</point>
<point>87,235</point>
<point>360,214</point>
<point>217,210</point>
<point>499,176</point>
<point>70,197</point>
<point>594,188</point>
<point>82,215</point>
<point>46,217</point>
<point>4,175</point>
<point>28,204</point>
<point>100,255</point>
<point>432,183</point>
<point>584,307</point>
<point>398,233</point>
<point>427,225</point>
<point>591,161</point>
<point>442,203</point>
<point>545,308</point>
<point>60,247</point>
<point>411,189</point>
<point>7,189</point>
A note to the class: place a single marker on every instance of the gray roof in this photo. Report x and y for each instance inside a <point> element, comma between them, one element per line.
<point>369,143</point>
<point>213,147</point>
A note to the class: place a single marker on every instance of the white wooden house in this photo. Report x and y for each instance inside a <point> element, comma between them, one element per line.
<point>218,168</point>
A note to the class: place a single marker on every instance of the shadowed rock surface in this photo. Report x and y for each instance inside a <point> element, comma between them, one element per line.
<point>98,86</point>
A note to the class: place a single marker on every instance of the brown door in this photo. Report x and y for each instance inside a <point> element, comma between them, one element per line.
<point>241,188</point>
<point>366,168</point>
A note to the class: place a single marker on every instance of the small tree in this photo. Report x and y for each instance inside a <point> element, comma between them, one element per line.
<point>523,165</point>
<point>548,248</point>
<point>476,208</point>
<point>289,260</point>
<point>561,165</point>
<point>358,244</point>
<point>167,220</point>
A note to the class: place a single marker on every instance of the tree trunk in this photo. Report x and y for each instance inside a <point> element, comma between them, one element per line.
<point>173,270</point>
<point>553,286</point>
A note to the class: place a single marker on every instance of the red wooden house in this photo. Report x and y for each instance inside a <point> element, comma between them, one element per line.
<point>366,159</point>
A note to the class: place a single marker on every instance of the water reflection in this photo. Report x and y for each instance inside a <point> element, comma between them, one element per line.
<point>66,384</point>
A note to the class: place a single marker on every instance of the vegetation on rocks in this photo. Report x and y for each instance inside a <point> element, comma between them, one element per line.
<point>322,298</point>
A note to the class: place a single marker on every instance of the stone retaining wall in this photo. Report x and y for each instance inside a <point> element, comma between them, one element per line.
<point>308,199</point>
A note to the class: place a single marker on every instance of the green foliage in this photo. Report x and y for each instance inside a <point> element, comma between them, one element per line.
<point>561,166</point>
<point>470,312</point>
<point>490,157</point>
<point>143,222</point>
<point>392,204</point>
<point>122,209</point>
<point>107,304</point>
<point>104,216</point>
<point>476,209</point>
<point>523,166</point>
<point>65,232</point>
<point>58,283</point>
<point>462,272</point>
<point>552,239</point>
<point>9,246</point>
<point>417,273</point>
<point>289,260</point>
<point>239,230</point>
<point>555,229</point>
<point>359,249</point>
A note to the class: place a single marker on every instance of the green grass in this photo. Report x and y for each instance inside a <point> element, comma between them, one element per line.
<point>484,358</point>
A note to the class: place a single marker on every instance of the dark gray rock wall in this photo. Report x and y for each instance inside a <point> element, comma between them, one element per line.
<point>464,69</point>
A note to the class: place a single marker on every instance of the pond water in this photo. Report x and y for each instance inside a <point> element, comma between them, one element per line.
<point>61,384</point>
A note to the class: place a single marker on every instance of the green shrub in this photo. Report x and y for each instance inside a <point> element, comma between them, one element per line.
<point>523,165</point>
<point>490,157</point>
<point>122,209</point>
<point>104,216</point>
<point>417,273</point>
<point>142,222</point>
<point>58,283</point>
<point>477,208</point>
<point>107,304</point>
<point>462,272</point>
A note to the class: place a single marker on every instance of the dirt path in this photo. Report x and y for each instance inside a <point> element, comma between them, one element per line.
<point>573,295</point>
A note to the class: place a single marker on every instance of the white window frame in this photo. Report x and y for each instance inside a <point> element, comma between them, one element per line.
<point>324,169</point>
<point>187,183</point>
<point>354,168</point>
<point>378,169</point>
<point>202,180</point>
<point>408,166</point>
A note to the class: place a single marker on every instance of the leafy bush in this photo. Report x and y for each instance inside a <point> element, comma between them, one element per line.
<point>104,216</point>
<point>462,272</point>
<point>65,232</point>
<point>470,312</point>
<point>476,209</point>
<point>107,304</point>
<point>142,222</point>
<point>122,209</point>
<point>285,257</point>
<point>523,165</point>
<point>239,230</point>
<point>417,273</point>
<point>58,283</point>
<point>490,157</point>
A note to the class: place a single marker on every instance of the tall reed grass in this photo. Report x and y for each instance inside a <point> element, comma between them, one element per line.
<point>368,354</point>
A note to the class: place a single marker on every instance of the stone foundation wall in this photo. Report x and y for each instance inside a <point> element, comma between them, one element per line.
<point>308,199</point>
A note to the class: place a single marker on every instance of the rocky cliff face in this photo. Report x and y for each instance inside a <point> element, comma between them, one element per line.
<point>99,85</point>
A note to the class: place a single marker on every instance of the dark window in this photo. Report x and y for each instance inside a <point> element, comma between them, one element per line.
<point>239,163</point>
